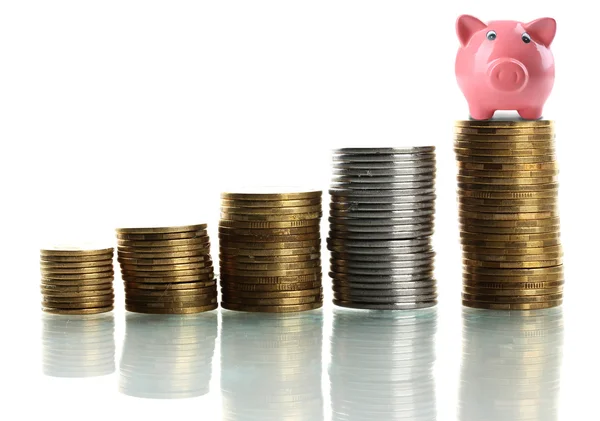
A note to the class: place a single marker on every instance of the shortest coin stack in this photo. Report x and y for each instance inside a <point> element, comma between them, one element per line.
<point>167,270</point>
<point>76,281</point>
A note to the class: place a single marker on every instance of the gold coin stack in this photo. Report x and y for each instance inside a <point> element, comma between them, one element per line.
<point>510,229</point>
<point>167,270</point>
<point>76,281</point>
<point>270,251</point>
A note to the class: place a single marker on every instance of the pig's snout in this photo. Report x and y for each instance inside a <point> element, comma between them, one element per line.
<point>508,75</point>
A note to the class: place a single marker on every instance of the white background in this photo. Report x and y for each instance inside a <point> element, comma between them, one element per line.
<point>127,112</point>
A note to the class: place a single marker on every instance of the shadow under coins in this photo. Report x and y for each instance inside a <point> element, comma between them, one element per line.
<point>511,365</point>
<point>78,346</point>
<point>168,356</point>
<point>382,365</point>
<point>271,366</point>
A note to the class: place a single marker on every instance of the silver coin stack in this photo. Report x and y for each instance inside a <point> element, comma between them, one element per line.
<point>382,365</point>
<point>381,222</point>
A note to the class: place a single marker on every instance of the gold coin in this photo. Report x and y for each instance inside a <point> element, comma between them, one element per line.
<point>55,289</point>
<point>270,252</point>
<point>512,139</point>
<point>184,310</point>
<point>271,218</point>
<point>232,299</point>
<point>509,209</point>
<point>51,253</point>
<point>269,231</point>
<point>171,304</point>
<point>169,273</point>
<point>495,159</point>
<point>514,230</point>
<point>275,239</point>
<point>507,216</point>
<point>270,280</point>
<point>141,292</point>
<point>473,201</point>
<point>511,285</point>
<point>267,273</point>
<point>164,236</point>
<point>512,257</point>
<point>297,286</point>
<point>546,166</point>
<point>78,305</point>
<point>518,148</point>
<point>510,195</point>
<point>272,309</point>
<point>271,203</point>
<point>57,301</point>
<point>504,131</point>
<point>172,261</point>
<point>512,292</point>
<point>228,210</point>
<point>478,277</point>
<point>200,241</point>
<point>469,151</point>
<point>521,181</point>
<point>230,292</point>
<point>49,265</point>
<point>511,300</point>
<point>75,271</point>
<point>77,259</point>
<point>162,230</point>
<point>161,287</point>
<point>166,268</point>
<point>513,265</point>
<point>505,174</point>
<point>269,224</point>
<point>512,252</point>
<point>235,258</point>
<point>81,277</point>
<point>74,295</point>
<point>80,311</point>
<point>270,266</point>
<point>509,237</point>
<point>554,270</point>
<point>512,224</point>
<point>194,253</point>
<point>172,300</point>
<point>77,282</point>
<point>503,123</point>
<point>226,244</point>
<point>169,279</point>
<point>313,194</point>
<point>200,247</point>
<point>511,188</point>
<point>496,306</point>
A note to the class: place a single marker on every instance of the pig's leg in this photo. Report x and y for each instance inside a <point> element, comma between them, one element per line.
<point>532,113</point>
<point>479,113</point>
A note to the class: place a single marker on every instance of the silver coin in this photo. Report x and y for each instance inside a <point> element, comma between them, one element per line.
<point>392,265</point>
<point>384,299</point>
<point>383,179</point>
<point>361,199</point>
<point>393,165</point>
<point>337,213</point>
<point>359,193</point>
<point>362,172</point>
<point>378,306</point>
<point>381,229</point>
<point>429,283</point>
<point>378,251</point>
<point>380,279</point>
<point>392,292</point>
<point>374,258</point>
<point>409,185</point>
<point>386,150</point>
<point>418,270</point>
<point>370,207</point>
<point>395,235</point>
<point>381,222</point>
<point>377,244</point>
<point>384,157</point>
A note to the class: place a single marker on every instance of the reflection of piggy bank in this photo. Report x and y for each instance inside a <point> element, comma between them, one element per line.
<point>505,65</point>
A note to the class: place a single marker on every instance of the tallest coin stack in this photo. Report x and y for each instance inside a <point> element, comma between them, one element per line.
<point>510,230</point>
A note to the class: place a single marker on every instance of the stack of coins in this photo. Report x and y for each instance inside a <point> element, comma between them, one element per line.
<point>168,356</point>
<point>271,366</point>
<point>167,270</point>
<point>510,230</point>
<point>382,365</point>
<point>77,281</point>
<point>270,251</point>
<point>78,346</point>
<point>511,365</point>
<point>381,222</point>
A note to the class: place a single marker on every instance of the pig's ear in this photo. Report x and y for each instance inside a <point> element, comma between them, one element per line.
<point>466,26</point>
<point>542,30</point>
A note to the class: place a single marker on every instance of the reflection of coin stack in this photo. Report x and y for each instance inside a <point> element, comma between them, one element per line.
<point>78,346</point>
<point>167,270</point>
<point>168,357</point>
<point>270,251</point>
<point>512,255</point>
<point>511,365</point>
<point>381,222</point>
<point>77,281</point>
<point>271,366</point>
<point>381,366</point>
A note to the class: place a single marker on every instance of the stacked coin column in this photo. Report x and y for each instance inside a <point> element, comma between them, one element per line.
<point>167,270</point>
<point>77,281</point>
<point>510,230</point>
<point>381,222</point>
<point>270,252</point>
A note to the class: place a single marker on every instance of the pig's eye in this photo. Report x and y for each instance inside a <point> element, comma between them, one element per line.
<point>526,38</point>
<point>491,35</point>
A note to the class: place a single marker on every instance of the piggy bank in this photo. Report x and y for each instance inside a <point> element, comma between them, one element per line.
<point>505,65</point>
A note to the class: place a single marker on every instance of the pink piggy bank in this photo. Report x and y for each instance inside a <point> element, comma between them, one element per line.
<point>505,65</point>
